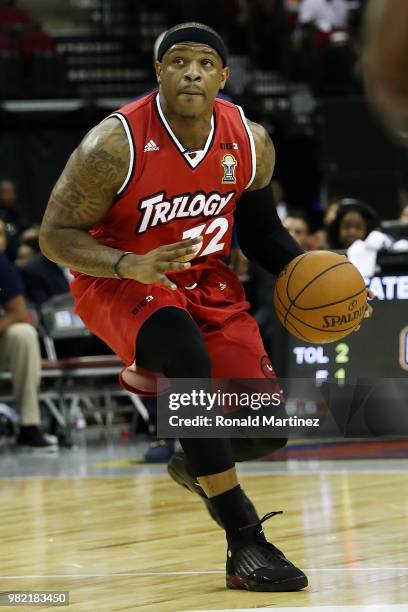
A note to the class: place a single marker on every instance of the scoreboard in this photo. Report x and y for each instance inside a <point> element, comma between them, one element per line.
<point>378,350</point>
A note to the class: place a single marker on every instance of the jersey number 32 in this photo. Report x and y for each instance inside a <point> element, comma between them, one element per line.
<point>218,227</point>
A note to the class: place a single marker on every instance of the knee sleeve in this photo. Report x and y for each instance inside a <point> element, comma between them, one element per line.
<point>172,343</point>
<point>208,456</point>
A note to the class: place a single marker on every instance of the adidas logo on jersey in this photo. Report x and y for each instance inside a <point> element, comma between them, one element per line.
<point>151,146</point>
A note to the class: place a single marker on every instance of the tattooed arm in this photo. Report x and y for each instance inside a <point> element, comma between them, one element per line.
<point>82,196</point>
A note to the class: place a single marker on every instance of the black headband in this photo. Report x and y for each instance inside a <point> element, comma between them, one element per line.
<point>195,35</point>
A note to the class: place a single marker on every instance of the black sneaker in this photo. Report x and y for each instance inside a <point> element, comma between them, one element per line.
<point>32,438</point>
<point>257,565</point>
<point>179,470</point>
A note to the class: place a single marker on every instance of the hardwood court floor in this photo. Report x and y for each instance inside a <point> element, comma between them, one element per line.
<point>142,543</point>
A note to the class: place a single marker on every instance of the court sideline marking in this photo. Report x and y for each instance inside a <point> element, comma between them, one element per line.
<point>194,573</point>
<point>345,608</point>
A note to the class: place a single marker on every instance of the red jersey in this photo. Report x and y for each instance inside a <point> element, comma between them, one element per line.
<point>170,194</point>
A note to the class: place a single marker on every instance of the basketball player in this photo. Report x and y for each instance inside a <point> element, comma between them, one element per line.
<point>143,213</point>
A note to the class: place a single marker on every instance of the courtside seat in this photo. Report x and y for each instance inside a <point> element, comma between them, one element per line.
<point>90,381</point>
<point>93,365</point>
<point>15,18</point>
<point>49,368</point>
<point>31,43</point>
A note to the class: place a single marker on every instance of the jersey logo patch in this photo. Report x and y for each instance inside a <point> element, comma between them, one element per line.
<point>151,146</point>
<point>229,163</point>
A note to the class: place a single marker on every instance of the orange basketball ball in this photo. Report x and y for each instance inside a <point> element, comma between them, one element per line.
<point>320,297</point>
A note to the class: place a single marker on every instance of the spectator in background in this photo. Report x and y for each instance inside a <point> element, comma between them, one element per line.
<point>8,205</point>
<point>326,59</point>
<point>331,210</point>
<point>10,214</point>
<point>355,220</point>
<point>25,253</point>
<point>324,15</point>
<point>3,236</point>
<point>20,353</point>
<point>403,205</point>
<point>28,246</point>
<point>404,215</point>
<point>43,279</point>
<point>355,229</point>
<point>319,240</point>
<point>279,198</point>
<point>30,236</point>
<point>298,227</point>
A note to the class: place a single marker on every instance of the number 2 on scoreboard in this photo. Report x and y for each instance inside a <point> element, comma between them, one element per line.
<point>218,227</point>
<point>342,351</point>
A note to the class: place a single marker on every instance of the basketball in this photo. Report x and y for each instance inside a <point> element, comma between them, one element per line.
<point>320,297</point>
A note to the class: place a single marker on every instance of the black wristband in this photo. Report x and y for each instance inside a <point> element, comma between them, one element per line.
<point>116,264</point>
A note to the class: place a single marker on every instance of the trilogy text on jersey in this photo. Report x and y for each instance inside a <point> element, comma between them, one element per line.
<point>157,210</point>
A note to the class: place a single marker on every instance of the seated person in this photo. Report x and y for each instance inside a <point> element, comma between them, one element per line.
<point>298,227</point>
<point>355,220</point>
<point>20,354</point>
<point>25,253</point>
<point>404,214</point>
<point>43,279</point>
<point>10,214</point>
<point>28,246</point>
<point>3,236</point>
<point>356,229</point>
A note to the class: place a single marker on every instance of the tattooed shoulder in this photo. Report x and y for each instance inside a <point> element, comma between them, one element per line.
<point>265,156</point>
<point>90,181</point>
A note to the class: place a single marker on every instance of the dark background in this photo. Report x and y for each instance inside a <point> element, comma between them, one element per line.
<point>96,58</point>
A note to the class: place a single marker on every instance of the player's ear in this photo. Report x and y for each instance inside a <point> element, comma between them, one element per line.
<point>157,67</point>
<point>224,76</point>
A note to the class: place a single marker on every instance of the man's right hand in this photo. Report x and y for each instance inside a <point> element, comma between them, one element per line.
<point>152,266</point>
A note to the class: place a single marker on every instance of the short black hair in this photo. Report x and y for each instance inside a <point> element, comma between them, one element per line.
<point>295,213</point>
